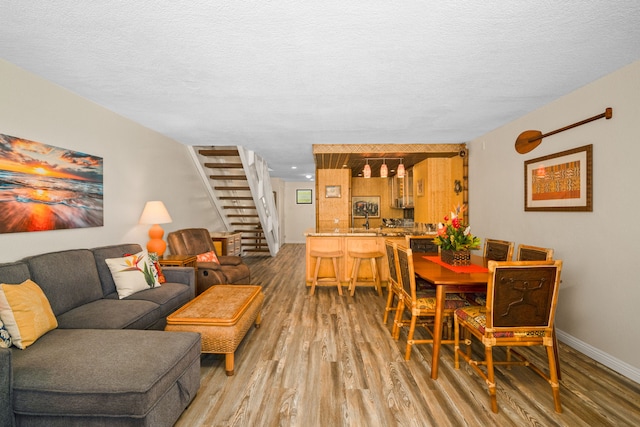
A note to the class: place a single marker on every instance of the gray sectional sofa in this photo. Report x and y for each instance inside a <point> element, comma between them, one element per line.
<point>108,363</point>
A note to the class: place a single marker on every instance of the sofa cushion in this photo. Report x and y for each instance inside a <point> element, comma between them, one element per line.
<point>133,273</point>
<point>14,272</point>
<point>26,313</point>
<point>136,369</point>
<point>109,313</point>
<point>112,251</point>
<point>68,278</point>
<point>169,297</point>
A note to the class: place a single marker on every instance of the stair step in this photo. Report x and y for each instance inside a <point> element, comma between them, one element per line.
<point>229,177</point>
<point>214,153</point>
<point>238,207</point>
<point>257,250</point>
<point>223,165</point>
<point>248,224</point>
<point>255,230</point>
<point>226,188</point>
<point>235,198</point>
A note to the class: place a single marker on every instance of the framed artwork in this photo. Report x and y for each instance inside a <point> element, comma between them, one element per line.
<point>366,206</point>
<point>48,188</point>
<point>560,182</point>
<point>303,197</point>
<point>420,187</point>
<point>332,191</point>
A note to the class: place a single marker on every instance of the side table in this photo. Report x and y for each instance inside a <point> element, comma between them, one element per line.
<point>179,261</point>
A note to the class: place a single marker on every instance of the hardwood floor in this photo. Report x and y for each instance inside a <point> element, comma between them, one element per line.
<point>328,360</point>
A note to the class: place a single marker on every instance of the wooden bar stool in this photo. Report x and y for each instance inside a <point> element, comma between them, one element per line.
<point>357,258</point>
<point>334,256</point>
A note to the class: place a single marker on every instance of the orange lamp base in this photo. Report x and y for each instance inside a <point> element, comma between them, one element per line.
<point>156,244</point>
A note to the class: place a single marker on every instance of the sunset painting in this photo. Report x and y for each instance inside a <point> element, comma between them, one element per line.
<point>48,188</point>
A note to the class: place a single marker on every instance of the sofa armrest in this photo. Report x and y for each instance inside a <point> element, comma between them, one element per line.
<point>184,275</point>
<point>6,388</point>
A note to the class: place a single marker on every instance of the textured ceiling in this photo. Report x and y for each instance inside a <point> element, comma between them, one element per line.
<point>280,76</point>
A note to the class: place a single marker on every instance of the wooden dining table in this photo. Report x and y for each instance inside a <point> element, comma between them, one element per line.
<point>446,281</point>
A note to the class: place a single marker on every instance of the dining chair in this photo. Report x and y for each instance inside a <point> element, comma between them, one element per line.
<point>520,310</point>
<point>395,288</point>
<point>498,250</point>
<point>536,253</point>
<point>419,305</point>
<point>533,253</point>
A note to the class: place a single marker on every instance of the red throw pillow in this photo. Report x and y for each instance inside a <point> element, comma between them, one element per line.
<point>208,257</point>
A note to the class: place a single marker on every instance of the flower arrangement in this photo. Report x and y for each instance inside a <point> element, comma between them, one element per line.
<point>454,235</point>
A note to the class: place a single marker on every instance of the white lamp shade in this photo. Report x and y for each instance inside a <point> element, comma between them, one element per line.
<point>384,171</point>
<point>400,171</point>
<point>155,213</point>
<point>367,171</point>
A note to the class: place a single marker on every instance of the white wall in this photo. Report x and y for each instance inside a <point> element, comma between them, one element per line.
<point>298,218</point>
<point>600,291</point>
<point>139,165</point>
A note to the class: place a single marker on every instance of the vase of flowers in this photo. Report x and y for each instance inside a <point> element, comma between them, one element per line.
<point>455,239</point>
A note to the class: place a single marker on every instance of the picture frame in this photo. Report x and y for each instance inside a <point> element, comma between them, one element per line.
<point>365,205</point>
<point>304,197</point>
<point>420,187</point>
<point>560,181</point>
<point>332,191</point>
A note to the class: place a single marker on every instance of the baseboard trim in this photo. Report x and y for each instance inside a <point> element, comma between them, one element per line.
<point>598,355</point>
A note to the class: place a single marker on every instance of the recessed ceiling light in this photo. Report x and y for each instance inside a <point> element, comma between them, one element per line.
<point>294,167</point>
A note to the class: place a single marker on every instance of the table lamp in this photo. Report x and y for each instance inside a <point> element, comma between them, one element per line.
<point>155,213</point>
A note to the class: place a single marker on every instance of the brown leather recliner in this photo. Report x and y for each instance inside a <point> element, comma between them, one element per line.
<point>196,241</point>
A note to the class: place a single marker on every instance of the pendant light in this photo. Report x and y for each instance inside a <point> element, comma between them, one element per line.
<point>384,171</point>
<point>400,171</point>
<point>366,172</point>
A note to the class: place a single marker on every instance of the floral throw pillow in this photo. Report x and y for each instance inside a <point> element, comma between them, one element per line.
<point>5,338</point>
<point>208,257</point>
<point>133,273</point>
<point>156,264</point>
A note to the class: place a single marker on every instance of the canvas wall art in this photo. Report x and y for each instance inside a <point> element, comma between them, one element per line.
<point>43,187</point>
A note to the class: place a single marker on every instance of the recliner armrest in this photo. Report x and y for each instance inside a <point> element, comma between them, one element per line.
<point>230,260</point>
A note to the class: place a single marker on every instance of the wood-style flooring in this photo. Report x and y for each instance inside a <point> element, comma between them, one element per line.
<point>326,360</point>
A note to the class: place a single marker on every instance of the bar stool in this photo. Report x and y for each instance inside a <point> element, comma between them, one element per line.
<point>357,258</point>
<point>319,255</point>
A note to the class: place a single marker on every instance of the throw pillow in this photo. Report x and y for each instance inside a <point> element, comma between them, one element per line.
<point>133,273</point>
<point>25,312</point>
<point>208,257</point>
<point>156,264</point>
<point>5,337</point>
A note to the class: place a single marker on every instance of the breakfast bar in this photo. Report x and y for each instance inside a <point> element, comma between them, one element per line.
<point>346,241</point>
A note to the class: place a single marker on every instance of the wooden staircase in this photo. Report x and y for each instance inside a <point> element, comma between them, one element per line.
<point>235,193</point>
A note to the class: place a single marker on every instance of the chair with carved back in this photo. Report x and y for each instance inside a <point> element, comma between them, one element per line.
<point>536,253</point>
<point>520,310</point>
<point>533,253</point>
<point>419,305</point>
<point>498,250</point>
<point>394,291</point>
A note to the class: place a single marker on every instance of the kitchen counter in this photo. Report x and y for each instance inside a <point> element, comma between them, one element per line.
<point>373,232</point>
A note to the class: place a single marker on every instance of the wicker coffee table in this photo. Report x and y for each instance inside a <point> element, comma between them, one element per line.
<point>222,315</point>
